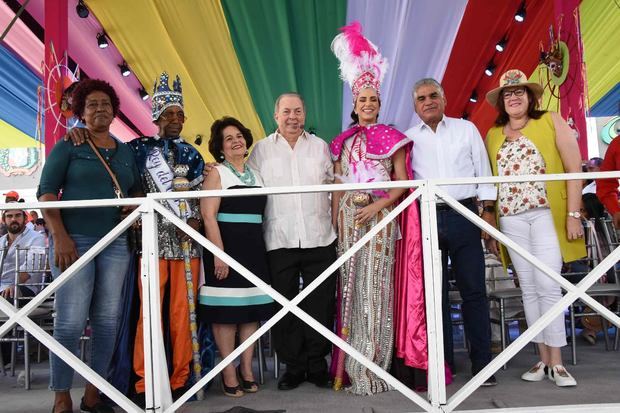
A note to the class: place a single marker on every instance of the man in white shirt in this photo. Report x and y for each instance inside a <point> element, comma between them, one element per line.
<point>451,148</point>
<point>18,236</point>
<point>299,237</point>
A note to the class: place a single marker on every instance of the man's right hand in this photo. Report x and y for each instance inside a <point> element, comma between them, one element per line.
<point>76,135</point>
<point>65,252</point>
<point>616,219</point>
<point>208,168</point>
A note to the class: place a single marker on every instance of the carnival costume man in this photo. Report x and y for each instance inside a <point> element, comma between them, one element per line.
<point>374,302</point>
<point>162,159</point>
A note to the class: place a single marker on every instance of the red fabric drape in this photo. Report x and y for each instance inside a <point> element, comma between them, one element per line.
<point>572,91</point>
<point>484,23</point>
<point>56,34</point>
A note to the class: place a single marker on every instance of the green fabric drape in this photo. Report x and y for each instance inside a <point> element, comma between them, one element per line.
<point>282,46</point>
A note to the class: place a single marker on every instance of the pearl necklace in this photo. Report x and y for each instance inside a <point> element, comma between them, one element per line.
<point>247,177</point>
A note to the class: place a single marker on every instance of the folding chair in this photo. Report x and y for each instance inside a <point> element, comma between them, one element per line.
<point>35,262</point>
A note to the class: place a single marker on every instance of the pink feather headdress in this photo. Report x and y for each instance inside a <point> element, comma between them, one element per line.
<point>361,64</point>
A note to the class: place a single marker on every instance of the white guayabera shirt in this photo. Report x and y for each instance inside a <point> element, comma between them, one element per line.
<point>295,220</point>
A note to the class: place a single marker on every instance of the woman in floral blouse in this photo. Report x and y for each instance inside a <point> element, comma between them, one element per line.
<point>542,217</point>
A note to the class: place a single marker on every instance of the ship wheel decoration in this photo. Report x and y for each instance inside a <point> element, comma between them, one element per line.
<point>59,85</point>
<point>557,68</point>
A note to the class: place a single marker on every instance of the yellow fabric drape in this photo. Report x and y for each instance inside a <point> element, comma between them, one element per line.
<point>599,30</point>
<point>548,100</point>
<point>11,137</point>
<point>189,38</point>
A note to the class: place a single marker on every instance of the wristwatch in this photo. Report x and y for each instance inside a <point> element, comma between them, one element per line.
<point>575,214</point>
<point>489,208</point>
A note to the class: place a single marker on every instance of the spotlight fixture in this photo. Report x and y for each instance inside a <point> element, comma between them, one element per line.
<point>501,45</point>
<point>474,97</point>
<point>198,140</point>
<point>520,14</point>
<point>490,69</point>
<point>143,94</point>
<point>81,9</point>
<point>124,69</point>
<point>102,40</point>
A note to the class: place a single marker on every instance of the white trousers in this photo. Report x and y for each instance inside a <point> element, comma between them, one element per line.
<point>534,231</point>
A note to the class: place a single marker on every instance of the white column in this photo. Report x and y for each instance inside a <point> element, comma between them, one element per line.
<point>157,382</point>
<point>432,292</point>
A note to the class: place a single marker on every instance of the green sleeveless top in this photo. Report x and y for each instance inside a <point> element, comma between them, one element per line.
<point>541,132</point>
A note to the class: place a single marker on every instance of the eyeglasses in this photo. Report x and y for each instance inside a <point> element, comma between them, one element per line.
<point>169,117</point>
<point>517,92</point>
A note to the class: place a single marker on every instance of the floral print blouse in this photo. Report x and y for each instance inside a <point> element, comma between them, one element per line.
<point>520,157</point>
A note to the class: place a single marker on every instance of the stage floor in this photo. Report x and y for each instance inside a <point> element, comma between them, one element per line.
<point>597,374</point>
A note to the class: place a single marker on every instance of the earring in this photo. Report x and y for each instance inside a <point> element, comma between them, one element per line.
<point>247,152</point>
<point>221,156</point>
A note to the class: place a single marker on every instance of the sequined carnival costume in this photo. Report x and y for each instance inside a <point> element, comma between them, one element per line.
<point>371,322</point>
<point>158,157</point>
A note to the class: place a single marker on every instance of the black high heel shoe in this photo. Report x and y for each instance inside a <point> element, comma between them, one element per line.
<point>246,385</point>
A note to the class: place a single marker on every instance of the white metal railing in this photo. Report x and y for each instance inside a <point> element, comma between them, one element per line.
<point>158,397</point>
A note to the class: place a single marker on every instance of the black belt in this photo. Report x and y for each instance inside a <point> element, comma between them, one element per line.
<point>467,202</point>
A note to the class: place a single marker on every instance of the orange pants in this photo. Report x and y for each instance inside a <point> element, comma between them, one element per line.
<point>179,322</point>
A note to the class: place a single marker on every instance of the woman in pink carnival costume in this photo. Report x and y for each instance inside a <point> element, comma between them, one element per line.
<point>381,296</point>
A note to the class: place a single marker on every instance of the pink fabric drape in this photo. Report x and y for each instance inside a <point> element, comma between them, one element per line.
<point>409,311</point>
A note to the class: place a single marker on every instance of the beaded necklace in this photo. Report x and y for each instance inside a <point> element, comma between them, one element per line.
<point>247,177</point>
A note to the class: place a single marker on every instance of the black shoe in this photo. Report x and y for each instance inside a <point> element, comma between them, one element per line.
<point>290,381</point>
<point>177,393</point>
<point>99,407</point>
<point>140,400</point>
<point>321,380</point>
<point>248,386</point>
<point>490,382</point>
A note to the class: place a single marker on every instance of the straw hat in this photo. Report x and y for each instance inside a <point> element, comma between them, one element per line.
<point>513,78</point>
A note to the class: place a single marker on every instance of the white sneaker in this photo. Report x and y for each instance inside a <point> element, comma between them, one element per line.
<point>561,377</point>
<point>536,373</point>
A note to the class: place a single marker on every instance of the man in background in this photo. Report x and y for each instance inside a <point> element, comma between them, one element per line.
<point>22,237</point>
<point>607,189</point>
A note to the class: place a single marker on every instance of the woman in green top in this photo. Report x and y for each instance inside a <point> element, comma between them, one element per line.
<point>94,292</point>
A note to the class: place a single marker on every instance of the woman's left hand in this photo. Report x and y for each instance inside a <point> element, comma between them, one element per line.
<point>574,228</point>
<point>363,215</point>
<point>220,269</point>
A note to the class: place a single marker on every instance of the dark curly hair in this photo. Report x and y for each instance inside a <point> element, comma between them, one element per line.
<point>86,87</point>
<point>532,109</point>
<point>216,142</point>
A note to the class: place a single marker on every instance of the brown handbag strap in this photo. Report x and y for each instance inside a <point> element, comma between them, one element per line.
<point>115,184</point>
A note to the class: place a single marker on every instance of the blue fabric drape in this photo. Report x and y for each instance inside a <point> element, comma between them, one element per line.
<point>18,93</point>
<point>609,104</point>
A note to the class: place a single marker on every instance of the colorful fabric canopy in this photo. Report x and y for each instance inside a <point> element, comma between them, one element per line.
<point>236,56</point>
